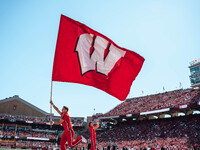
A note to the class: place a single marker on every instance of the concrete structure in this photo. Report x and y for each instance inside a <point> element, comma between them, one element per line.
<point>17,106</point>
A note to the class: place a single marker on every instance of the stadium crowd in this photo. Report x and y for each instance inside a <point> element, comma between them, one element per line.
<point>35,144</point>
<point>14,118</point>
<point>29,134</point>
<point>24,134</point>
<point>169,133</point>
<point>170,99</point>
<point>8,133</point>
<point>31,119</point>
<point>181,132</point>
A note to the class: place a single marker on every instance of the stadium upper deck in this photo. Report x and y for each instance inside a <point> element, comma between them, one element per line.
<point>171,99</point>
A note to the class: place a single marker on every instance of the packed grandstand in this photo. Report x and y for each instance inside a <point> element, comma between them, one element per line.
<point>168,120</point>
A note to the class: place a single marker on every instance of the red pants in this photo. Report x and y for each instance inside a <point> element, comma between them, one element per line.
<point>68,136</point>
<point>93,143</point>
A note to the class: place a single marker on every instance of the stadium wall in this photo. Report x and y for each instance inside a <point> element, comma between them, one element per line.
<point>15,107</point>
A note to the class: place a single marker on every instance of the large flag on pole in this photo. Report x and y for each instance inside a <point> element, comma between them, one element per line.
<point>85,56</point>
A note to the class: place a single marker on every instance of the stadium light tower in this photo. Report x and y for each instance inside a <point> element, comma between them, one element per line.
<point>195,73</point>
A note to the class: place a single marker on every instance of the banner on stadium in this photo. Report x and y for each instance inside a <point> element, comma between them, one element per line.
<point>183,106</point>
<point>155,111</point>
<point>87,57</point>
<point>29,121</point>
<point>37,138</point>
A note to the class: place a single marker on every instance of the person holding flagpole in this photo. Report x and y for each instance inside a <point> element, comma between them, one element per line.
<point>92,129</point>
<point>68,135</point>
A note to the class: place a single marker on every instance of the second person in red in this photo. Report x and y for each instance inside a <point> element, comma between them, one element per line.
<point>92,129</point>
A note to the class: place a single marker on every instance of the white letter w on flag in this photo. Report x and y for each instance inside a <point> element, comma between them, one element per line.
<point>91,53</point>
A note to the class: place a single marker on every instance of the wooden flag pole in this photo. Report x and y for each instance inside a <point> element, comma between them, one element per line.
<point>50,104</point>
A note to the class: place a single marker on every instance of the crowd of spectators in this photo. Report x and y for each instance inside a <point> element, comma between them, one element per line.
<point>13,118</point>
<point>77,123</point>
<point>9,133</point>
<point>170,133</point>
<point>38,134</point>
<point>156,143</point>
<point>171,99</point>
<point>30,144</point>
<point>31,119</point>
<point>51,135</point>
<point>24,134</point>
<point>35,144</point>
<point>30,128</point>
<point>174,133</point>
<point>28,133</point>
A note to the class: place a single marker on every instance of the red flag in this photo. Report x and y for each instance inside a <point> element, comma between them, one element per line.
<point>87,57</point>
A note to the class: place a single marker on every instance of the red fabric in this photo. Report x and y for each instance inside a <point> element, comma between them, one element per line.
<point>68,137</point>
<point>67,122</point>
<point>92,138</point>
<point>67,64</point>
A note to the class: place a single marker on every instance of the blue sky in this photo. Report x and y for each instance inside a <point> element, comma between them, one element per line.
<point>165,33</point>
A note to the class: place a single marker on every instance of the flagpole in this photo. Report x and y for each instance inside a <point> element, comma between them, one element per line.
<point>50,104</point>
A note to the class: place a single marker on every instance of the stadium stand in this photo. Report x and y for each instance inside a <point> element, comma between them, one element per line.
<point>170,99</point>
<point>176,132</point>
<point>137,123</point>
<point>25,126</point>
<point>131,126</point>
<point>34,144</point>
<point>28,132</point>
<point>168,133</point>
